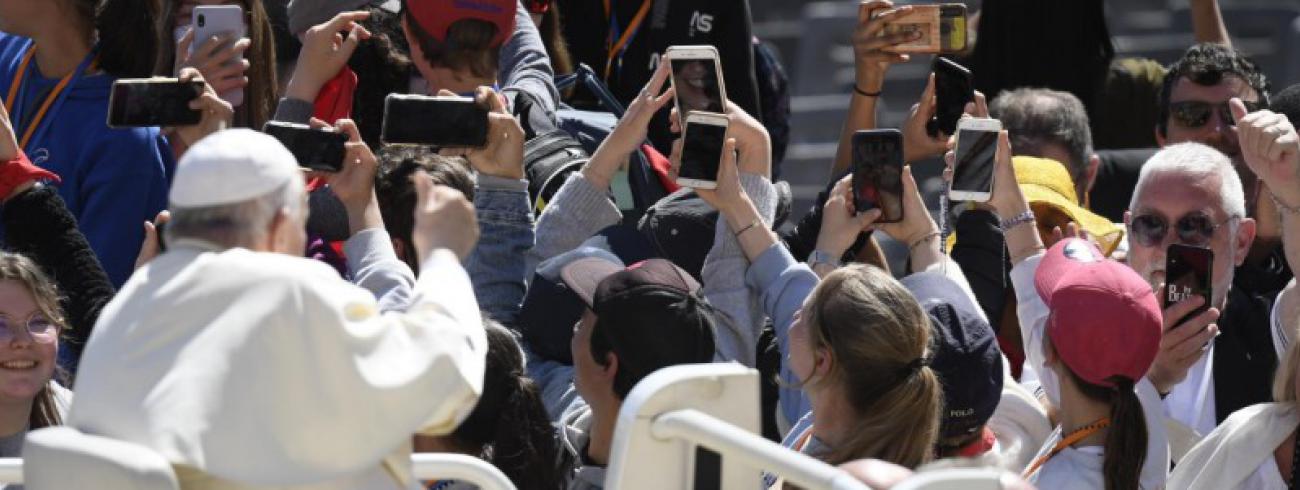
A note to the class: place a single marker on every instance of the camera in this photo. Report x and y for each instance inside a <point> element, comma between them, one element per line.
<point>202,21</point>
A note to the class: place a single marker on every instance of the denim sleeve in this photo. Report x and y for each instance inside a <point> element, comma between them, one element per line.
<point>498,265</point>
<point>783,285</point>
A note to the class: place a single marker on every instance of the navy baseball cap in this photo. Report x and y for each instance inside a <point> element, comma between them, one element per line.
<point>967,358</point>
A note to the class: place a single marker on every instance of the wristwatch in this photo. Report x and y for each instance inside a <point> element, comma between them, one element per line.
<point>820,257</point>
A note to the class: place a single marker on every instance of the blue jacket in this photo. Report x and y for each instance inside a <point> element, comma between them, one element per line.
<point>113,179</point>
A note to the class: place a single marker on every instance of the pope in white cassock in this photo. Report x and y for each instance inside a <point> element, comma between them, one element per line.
<point>247,366</point>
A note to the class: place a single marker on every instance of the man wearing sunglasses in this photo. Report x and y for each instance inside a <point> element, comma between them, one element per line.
<point>1217,361</point>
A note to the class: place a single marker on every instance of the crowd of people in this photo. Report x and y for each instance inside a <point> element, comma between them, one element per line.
<point>274,327</point>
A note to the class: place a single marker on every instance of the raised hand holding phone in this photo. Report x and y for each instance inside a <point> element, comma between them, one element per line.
<point>702,149</point>
<point>630,132</point>
<point>954,88</point>
<point>215,113</point>
<point>216,47</point>
<point>503,155</point>
<point>697,78</point>
<point>872,53</point>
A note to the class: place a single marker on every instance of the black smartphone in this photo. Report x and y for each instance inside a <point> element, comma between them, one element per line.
<point>702,144</point>
<point>434,121</point>
<point>953,89</point>
<point>1187,273</point>
<point>145,102</point>
<point>878,173</point>
<point>315,149</point>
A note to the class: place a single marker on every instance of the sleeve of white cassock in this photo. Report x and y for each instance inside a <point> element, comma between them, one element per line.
<point>384,377</point>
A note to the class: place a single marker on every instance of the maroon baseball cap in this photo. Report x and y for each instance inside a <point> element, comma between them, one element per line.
<point>1105,320</point>
<point>436,16</point>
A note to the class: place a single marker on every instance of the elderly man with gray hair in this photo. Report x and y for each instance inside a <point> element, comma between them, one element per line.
<point>1218,354</point>
<point>1050,124</point>
<point>246,366</point>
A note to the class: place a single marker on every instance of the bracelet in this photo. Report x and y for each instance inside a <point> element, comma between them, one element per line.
<point>1281,206</point>
<point>1022,218</point>
<point>927,237</point>
<point>865,93</point>
<point>747,227</point>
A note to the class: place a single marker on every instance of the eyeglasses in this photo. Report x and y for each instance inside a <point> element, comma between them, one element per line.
<point>40,329</point>
<point>1196,113</point>
<point>1195,229</point>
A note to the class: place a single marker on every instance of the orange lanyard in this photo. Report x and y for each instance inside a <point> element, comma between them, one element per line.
<point>1069,440</point>
<point>17,83</point>
<point>617,47</point>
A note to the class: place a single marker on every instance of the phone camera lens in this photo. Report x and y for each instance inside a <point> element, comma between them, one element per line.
<point>202,20</point>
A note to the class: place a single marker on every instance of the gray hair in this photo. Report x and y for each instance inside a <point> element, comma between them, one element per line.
<point>1034,117</point>
<point>1197,160</point>
<point>241,224</point>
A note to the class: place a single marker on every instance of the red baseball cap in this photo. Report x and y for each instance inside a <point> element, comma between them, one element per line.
<point>436,16</point>
<point>1105,320</point>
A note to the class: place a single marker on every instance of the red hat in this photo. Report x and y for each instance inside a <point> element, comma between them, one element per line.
<point>1105,320</point>
<point>436,16</point>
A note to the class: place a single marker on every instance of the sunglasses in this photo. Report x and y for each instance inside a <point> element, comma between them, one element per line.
<point>1194,229</point>
<point>1196,113</point>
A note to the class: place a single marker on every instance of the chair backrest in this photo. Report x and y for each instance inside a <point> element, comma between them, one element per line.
<point>958,479</point>
<point>59,458</point>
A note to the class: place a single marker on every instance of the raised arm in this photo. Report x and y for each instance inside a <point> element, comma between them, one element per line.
<point>1271,148</point>
<point>1207,22</point>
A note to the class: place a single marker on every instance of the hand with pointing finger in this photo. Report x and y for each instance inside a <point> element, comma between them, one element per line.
<point>324,53</point>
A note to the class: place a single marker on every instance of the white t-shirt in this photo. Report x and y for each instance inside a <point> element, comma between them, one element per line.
<point>1081,467</point>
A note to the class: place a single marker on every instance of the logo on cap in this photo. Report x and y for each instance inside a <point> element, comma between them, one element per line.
<point>1080,251</point>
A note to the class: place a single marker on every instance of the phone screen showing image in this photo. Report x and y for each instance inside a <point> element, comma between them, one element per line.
<point>976,151</point>
<point>702,151</point>
<point>697,84</point>
<point>878,173</point>
<point>1187,274</point>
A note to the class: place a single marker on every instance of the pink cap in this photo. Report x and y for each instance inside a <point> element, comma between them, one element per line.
<point>1105,319</point>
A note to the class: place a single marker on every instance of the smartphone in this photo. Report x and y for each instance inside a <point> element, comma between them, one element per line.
<point>1187,274</point>
<point>146,102</point>
<point>702,141</point>
<point>434,121</point>
<point>953,88</point>
<point>977,152</point>
<point>315,149</point>
<point>878,173</point>
<point>942,28</point>
<point>697,79</point>
<point>210,21</point>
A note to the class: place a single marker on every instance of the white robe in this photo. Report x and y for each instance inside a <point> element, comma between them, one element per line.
<point>1243,443</point>
<point>255,369</point>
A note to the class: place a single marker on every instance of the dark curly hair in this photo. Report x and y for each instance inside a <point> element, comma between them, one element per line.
<point>396,194</point>
<point>1206,64</point>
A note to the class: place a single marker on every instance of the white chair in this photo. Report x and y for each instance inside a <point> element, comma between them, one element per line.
<point>60,458</point>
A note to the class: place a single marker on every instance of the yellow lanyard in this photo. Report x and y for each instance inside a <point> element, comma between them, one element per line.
<point>1069,440</point>
<point>617,47</point>
<point>19,78</point>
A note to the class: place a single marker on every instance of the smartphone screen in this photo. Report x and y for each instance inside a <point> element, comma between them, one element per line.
<point>953,89</point>
<point>697,85</point>
<point>878,173</point>
<point>1187,274</point>
<point>702,151</point>
<point>148,102</point>
<point>976,153</point>
<point>952,27</point>
<point>315,149</point>
<point>434,121</point>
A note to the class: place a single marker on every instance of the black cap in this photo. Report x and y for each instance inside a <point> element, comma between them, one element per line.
<point>650,312</point>
<point>966,358</point>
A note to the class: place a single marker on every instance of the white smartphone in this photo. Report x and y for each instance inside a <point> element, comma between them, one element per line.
<point>977,152</point>
<point>209,21</point>
<point>702,140</point>
<point>697,78</point>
